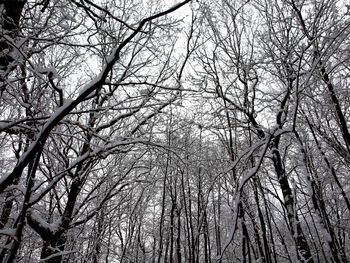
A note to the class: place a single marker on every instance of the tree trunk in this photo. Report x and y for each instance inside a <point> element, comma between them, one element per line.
<point>304,252</point>
<point>10,25</point>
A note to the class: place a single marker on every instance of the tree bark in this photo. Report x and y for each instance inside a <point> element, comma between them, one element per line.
<point>9,26</point>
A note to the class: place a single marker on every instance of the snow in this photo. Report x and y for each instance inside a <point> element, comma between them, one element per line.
<point>51,227</point>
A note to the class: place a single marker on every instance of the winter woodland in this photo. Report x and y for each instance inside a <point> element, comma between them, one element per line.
<point>149,131</point>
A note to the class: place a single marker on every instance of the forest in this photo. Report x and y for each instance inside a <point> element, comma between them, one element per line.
<point>180,131</point>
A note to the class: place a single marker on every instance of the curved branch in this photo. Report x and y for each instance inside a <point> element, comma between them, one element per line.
<point>69,105</point>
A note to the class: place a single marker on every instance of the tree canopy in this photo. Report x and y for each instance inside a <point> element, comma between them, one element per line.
<point>174,131</point>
